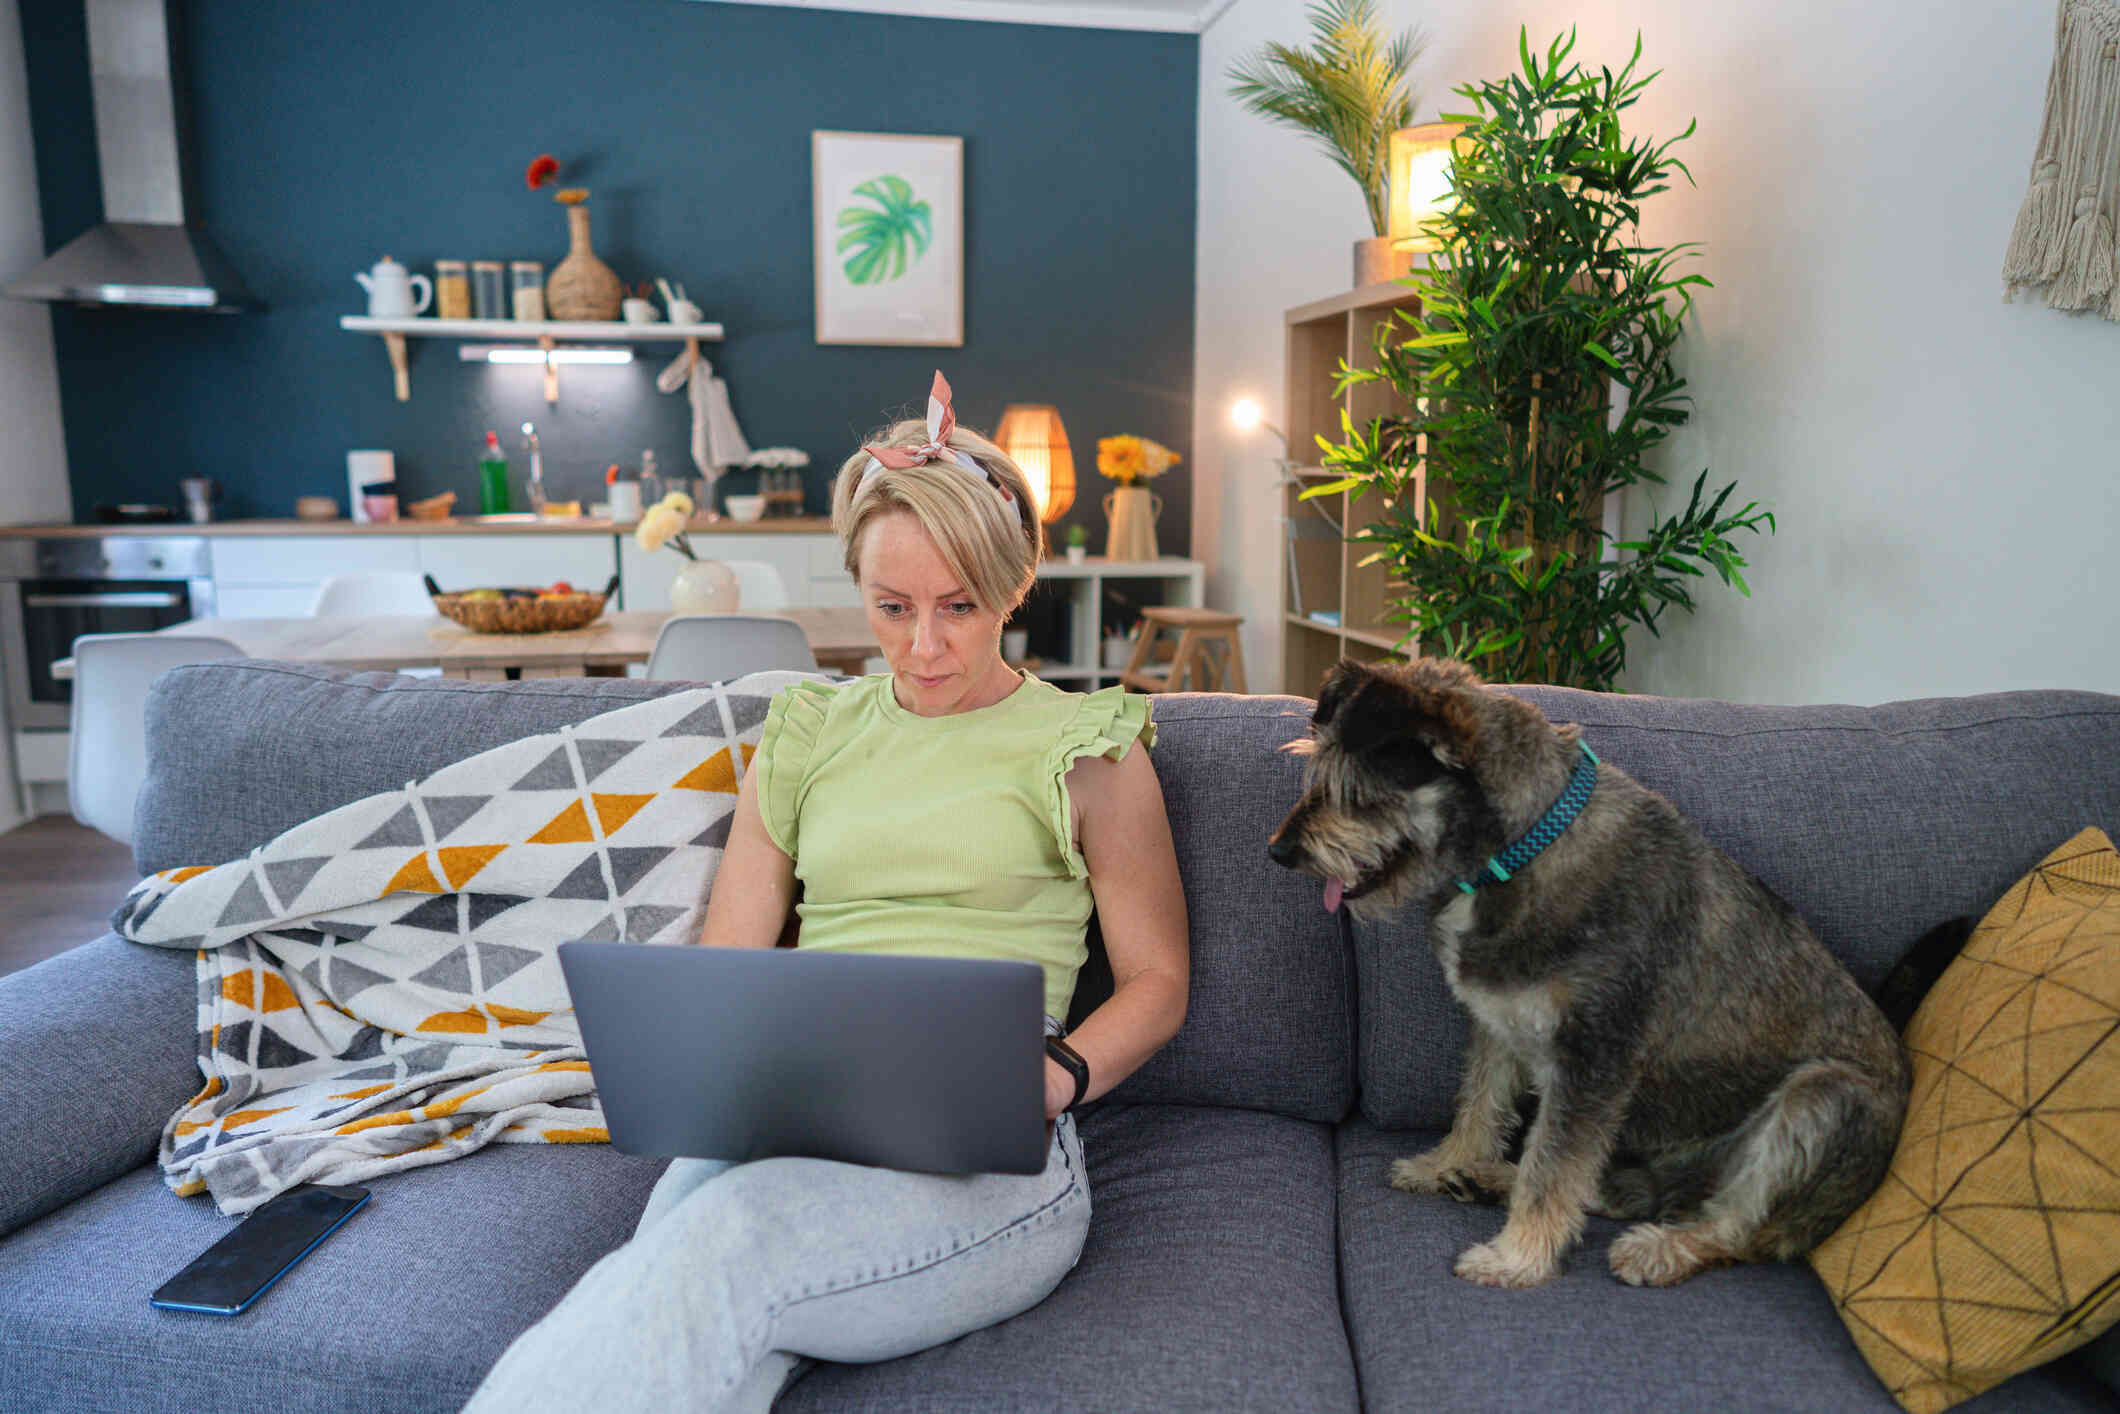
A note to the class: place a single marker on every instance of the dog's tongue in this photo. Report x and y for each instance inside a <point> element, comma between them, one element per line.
<point>1333,889</point>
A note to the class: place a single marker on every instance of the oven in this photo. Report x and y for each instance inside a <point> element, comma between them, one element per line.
<point>53,591</point>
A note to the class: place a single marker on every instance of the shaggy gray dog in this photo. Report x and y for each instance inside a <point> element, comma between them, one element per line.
<point>1703,1066</point>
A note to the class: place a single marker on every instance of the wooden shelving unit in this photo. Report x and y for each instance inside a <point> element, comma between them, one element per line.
<point>1320,575</point>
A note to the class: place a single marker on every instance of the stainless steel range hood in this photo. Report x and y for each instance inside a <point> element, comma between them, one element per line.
<point>145,254</point>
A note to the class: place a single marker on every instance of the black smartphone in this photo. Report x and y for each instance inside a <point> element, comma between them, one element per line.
<point>227,1277</point>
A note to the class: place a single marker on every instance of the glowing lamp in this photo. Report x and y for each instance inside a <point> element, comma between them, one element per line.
<point>1034,439</point>
<point>1420,181</point>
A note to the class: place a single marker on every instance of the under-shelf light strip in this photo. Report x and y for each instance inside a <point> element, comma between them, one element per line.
<point>524,353</point>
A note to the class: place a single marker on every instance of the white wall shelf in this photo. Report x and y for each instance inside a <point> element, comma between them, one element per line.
<point>547,334</point>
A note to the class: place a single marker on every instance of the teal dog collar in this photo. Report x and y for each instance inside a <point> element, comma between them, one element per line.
<point>1548,829</point>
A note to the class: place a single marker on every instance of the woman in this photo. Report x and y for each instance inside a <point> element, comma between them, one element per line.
<point>953,806</point>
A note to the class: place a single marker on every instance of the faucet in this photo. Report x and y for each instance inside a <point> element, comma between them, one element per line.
<point>537,472</point>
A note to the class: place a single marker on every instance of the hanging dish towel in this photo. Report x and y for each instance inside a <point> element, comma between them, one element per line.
<point>717,441</point>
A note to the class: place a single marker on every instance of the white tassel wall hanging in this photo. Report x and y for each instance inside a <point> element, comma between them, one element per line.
<point>2062,248</point>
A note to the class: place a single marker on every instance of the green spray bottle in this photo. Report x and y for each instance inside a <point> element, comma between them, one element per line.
<point>492,478</point>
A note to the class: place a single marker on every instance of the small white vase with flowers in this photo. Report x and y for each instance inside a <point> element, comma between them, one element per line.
<point>701,586</point>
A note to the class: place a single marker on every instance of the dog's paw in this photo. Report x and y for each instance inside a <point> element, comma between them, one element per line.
<point>1493,1264</point>
<point>1477,1181</point>
<point>1652,1254</point>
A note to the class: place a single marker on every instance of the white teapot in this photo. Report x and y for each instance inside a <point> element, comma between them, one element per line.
<point>389,289</point>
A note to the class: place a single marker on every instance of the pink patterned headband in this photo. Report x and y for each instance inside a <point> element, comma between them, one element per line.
<point>941,421</point>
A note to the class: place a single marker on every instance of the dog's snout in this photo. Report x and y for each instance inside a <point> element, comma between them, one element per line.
<point>1282,851</point>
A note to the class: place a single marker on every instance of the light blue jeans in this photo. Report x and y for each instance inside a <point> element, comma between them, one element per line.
<point>737,1272</point>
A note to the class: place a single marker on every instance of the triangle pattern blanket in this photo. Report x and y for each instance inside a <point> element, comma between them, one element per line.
<point>379,987</point>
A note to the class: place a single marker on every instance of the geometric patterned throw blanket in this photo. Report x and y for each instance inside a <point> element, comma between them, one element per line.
<point>379,987</point>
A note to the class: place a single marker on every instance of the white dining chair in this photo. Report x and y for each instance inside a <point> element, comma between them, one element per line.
<point>108,754</point>
<point>717,647</point>
<point>758,585</point>
<point>376,592</point>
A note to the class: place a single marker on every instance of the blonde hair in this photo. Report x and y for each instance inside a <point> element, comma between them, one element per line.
<point>992,546</point>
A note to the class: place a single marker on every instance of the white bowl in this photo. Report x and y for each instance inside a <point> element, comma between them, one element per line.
<point>746,507</point>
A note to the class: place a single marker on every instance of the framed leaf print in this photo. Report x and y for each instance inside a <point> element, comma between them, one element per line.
<point>888,212</point>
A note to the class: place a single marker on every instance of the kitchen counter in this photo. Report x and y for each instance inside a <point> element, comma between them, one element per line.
<point>461,525</point>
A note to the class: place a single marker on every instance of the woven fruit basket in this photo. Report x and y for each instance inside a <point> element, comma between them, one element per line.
<point>519,610</point>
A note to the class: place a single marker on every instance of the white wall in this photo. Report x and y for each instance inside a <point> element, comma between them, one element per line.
<point>1945,467</point>
<point>33,483</point>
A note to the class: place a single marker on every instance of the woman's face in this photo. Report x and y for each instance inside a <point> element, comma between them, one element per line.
<point>944,650</point>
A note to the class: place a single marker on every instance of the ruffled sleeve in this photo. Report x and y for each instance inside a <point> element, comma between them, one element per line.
<point>1106,723</point>
<point>782,761</point>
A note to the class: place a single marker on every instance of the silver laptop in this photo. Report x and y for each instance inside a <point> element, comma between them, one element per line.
<point>934,1065</point>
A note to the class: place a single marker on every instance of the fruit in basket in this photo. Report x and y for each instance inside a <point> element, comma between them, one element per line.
<point>560,587</point>
<point>483,594</point>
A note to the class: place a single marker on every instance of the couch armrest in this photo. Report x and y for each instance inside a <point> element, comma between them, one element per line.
<point>98,1048</point>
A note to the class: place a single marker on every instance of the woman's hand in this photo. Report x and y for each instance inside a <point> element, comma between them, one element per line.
<point>1059,1089</point>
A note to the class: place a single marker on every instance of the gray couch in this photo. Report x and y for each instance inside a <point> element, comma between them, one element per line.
<point>1245,1252</point>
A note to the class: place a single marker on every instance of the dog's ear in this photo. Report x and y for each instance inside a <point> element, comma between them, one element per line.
<point>1445,698</point>
<point>1345,678</point>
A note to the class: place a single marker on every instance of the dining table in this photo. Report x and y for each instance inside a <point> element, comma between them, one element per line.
<point>839,636</point>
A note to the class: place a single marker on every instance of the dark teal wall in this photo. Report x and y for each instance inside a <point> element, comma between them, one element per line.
<point>326,134</point>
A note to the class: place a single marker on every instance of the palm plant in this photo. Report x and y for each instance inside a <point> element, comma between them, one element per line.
<point>1349,92</point>
<point>1541,302</point>
<point>880,237</point>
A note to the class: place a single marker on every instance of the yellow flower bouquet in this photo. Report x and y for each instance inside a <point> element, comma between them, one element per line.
<point>664,524</point>
<point>1130,459</point>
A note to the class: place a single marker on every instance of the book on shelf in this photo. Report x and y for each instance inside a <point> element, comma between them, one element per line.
<point>1328,617</point>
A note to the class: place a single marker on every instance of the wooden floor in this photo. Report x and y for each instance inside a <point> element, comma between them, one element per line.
<point>59,881</point>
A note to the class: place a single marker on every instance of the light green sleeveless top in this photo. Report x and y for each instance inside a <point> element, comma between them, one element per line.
<point>940,836</point>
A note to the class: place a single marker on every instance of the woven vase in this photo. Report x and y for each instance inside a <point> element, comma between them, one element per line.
<point>581,286</point>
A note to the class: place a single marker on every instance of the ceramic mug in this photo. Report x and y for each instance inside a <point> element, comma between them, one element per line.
<point>640,311</point>
<point>683,311</point>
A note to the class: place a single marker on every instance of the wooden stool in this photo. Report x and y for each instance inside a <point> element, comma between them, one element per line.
<point>1198,629</point>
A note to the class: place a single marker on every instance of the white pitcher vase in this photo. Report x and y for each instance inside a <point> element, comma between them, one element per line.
<point>704,587</point>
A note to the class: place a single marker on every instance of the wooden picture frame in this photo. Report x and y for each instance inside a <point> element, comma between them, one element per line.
<point>887,247</point>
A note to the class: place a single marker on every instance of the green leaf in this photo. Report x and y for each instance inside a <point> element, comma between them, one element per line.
<point>888,240</point>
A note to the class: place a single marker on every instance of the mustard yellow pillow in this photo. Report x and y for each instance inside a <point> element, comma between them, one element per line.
<point>1993,1244</point>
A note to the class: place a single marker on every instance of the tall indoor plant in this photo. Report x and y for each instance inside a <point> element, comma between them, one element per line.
<point>1348,91</point>
<point>1538,370</point>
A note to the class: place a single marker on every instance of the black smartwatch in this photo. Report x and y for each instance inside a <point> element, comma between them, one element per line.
<point>1071,1061</point>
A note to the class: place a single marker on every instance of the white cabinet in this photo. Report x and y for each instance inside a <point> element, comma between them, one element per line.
<point>531,561</point>
<point>286,559</point>
<point>276,576</point>
<point>830,584</point>
<point>647,577</point>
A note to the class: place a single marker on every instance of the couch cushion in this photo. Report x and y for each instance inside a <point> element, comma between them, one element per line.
<point>1742,1338</point>
<point>405,1307</point>
<point>238,751</point>
<point>1208,1283</point>
<point>1875,823</point>
<point>1270,1019</point>
<point>98,1047</point>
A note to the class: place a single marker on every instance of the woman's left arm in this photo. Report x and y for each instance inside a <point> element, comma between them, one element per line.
<point>1133,874</point>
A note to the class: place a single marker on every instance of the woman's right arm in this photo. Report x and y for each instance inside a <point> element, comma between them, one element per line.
<point>754,892</point>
